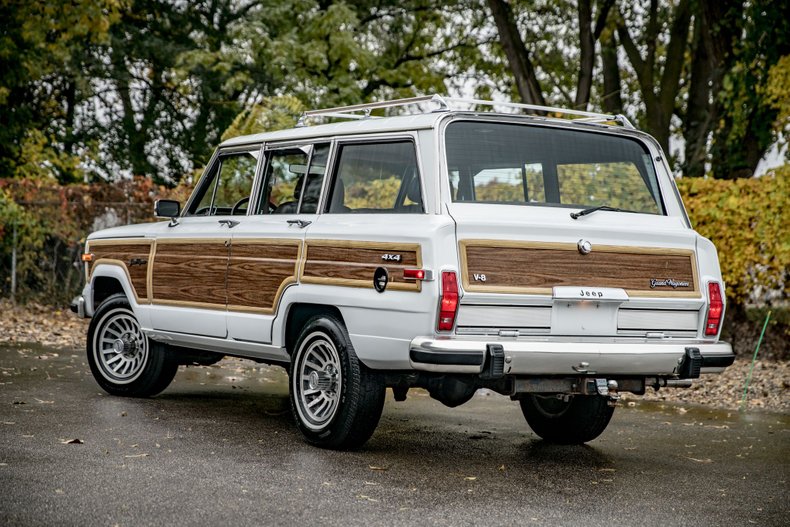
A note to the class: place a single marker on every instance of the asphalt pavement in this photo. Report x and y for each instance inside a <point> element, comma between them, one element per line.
<point>218,447</point>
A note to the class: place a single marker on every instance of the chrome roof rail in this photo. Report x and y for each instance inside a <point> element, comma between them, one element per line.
<point>448,103</point>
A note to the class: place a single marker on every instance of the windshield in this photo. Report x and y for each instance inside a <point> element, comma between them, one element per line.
<point>519,164</point>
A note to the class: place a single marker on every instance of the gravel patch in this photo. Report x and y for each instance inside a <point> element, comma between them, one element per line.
<point>769,388</point>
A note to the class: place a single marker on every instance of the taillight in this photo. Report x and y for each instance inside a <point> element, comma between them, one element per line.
<point>715,309</point>
<point>448,306</point>
<point>414,274</point>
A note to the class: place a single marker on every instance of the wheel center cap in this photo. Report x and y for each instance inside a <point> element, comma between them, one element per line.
<point>125,345</point>
<point>319,380</point>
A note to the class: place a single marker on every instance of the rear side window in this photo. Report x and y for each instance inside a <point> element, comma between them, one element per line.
<point>518,164</point>
<point>376,178</point>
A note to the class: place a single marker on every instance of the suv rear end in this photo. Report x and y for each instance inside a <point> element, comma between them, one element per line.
<point>578,273</point>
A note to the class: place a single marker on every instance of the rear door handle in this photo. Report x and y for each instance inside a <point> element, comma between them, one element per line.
<point>229,223</point>
<point>301,223</point>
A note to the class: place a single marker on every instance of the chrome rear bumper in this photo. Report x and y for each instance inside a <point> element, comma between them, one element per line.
<point>566,356</point>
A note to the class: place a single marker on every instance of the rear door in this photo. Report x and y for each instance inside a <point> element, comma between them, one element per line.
<point>267,244</point>
<point>528,267</point>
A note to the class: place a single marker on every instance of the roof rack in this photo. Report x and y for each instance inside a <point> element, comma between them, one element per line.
<point>362,111</point>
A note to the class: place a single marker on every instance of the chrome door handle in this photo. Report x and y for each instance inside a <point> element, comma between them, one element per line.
<point>301,223</point>
<point>229,223</point>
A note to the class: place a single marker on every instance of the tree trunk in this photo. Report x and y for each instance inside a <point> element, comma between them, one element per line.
<point>612,98</point>
<point>516,52</point>
<point>697,122</point>
<point>586,55</point>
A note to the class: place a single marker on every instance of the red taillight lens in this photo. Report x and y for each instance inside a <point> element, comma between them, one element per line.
<point>448,306</point>
<point>414,274</point>
<point>715,309</point>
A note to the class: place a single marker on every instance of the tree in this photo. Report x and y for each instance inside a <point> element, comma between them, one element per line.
<point>41,52</point>
<point>659,80</point>
<point>744,128</point>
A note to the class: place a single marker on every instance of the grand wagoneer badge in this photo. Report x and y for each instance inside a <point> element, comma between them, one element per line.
<point>667,282</point>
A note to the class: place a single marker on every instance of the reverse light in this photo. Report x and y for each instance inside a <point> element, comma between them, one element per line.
<point>715,309</point>
<point>448,305</point>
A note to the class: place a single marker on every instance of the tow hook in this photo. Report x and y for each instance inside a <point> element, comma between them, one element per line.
<point>608,389</point>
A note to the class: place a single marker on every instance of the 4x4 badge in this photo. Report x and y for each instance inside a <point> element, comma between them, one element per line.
<point>391,257</point>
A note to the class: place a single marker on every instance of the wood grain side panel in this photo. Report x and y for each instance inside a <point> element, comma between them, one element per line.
<point>537,269</point>
<point>192,272</point>
<point>134,257</point>
<point>259,271</point>
<point>352,264</point>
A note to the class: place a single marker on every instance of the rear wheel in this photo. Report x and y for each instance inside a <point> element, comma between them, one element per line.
<point>122,359</point>
<point>578,420</point>
<point>335,400</point>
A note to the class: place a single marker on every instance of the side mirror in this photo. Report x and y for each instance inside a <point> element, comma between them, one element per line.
<point>167,208</point>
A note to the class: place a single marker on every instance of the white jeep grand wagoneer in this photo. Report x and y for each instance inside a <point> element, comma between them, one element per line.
<point>549,259</point>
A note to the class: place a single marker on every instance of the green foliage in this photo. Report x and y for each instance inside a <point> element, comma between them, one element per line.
<point>42,44</point>
<point>273,113</point>
<point>747,220</point>
<point>372,194</point>
<point>777,92</point>
<point>745,130</point>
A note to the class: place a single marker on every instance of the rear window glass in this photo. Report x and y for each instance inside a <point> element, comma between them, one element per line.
<point>518,164</point>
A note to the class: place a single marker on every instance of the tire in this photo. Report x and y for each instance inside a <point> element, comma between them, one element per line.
<point>577,421</point>
<point>335,400</point>
<point>122,359</point>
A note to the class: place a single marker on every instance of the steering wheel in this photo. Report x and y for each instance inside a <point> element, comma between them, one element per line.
<point>238,204</point>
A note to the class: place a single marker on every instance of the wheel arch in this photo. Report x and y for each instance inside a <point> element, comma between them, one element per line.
<point>107,280</point>
<point>298,314</point>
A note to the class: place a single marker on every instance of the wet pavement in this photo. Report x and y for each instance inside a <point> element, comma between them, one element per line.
<point>218,447</point>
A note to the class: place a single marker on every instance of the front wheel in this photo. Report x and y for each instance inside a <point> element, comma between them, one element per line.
<point>578,420</point>
<point>122,359</point>
<point>335,400</point>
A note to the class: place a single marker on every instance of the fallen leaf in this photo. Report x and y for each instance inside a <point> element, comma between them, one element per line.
<point>137,455</point>
<point>372,467</point>
<point>706,460</point>
<point>502,468</point>
<point>74,441</point>
<point>470,478</point>
<point>43,402</point>
<point>606,470</point>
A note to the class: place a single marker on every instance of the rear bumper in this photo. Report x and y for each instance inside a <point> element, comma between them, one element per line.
<point>563,356</point>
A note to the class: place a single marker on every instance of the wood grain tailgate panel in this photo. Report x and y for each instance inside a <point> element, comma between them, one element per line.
<point>536,269</point>
<point>132,256</point>
<point>190,272</point>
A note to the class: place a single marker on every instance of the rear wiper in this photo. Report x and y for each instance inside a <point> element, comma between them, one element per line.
<point>585,212</point>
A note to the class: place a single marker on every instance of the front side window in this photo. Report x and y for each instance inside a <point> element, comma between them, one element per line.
<point>376,178</point>
<point>518,164</point>
<point>293,180</point>
<point>226,187</point>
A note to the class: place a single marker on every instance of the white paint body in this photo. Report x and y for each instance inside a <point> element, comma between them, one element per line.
<point>382,327</point>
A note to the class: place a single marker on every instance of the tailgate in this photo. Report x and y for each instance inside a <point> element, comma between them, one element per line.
<point>534,270</point>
